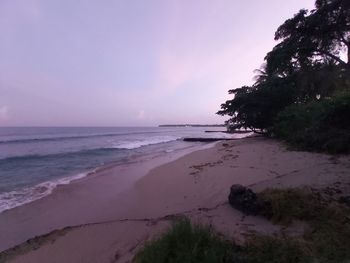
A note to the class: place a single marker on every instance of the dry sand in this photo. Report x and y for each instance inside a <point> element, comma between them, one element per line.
<point>195,185</point>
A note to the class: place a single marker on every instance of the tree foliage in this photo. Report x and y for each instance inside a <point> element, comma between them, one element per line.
<point>319,125</point>
<point>318,36</point>
<point>310,62</point>
<point>255,107</point>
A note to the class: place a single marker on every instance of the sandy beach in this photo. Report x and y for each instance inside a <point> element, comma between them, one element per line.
<point>111,226</point>
<point>175,131</point>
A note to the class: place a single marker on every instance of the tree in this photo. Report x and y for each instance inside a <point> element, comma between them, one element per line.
<point>306,64</point>
<point>312,37</point>
<point>255,107</point>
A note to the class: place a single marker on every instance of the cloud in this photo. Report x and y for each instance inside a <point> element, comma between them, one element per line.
<point>4,113</point>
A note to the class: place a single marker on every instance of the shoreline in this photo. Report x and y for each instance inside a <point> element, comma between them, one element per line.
<point>195,185</point>
<point>115,179</point>
<point>31,193</point>
<point>44,189</point>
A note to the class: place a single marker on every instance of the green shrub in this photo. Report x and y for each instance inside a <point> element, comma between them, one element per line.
<point>319,125</point>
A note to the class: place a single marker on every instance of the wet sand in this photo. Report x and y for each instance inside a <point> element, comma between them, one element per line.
<point>103,195</point>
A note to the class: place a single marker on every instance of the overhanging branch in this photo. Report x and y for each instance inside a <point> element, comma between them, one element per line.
<point>328,54</point>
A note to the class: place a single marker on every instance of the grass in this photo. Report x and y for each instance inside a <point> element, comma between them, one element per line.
<point>186,243</point>
<point>326,241</point>
<point>266,249</point>
<point>329,233</point>
<point>284,206</point>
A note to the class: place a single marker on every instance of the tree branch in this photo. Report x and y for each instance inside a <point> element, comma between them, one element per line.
<point>344,41</point>
<point>326,53</point>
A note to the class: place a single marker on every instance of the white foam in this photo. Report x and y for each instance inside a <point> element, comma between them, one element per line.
<point>129,145</point>
<point>26,195</point>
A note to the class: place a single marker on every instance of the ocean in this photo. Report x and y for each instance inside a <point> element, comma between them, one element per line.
<point>34,160</point>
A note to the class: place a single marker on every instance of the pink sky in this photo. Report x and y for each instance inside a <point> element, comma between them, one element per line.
<point>130,63</point>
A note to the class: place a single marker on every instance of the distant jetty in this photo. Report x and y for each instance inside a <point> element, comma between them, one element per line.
<point>192,125</point>
<point>203,139</point>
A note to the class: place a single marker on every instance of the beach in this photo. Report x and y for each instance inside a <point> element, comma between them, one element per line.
<point>87,221</point>
<point>161,132</point>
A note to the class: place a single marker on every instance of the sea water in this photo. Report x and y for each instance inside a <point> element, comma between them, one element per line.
<point>34,160</point>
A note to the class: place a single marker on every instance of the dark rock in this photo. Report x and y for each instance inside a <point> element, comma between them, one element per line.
<point>244,200</point>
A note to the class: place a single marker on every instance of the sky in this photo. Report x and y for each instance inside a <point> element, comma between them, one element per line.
<point>128,62</point>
